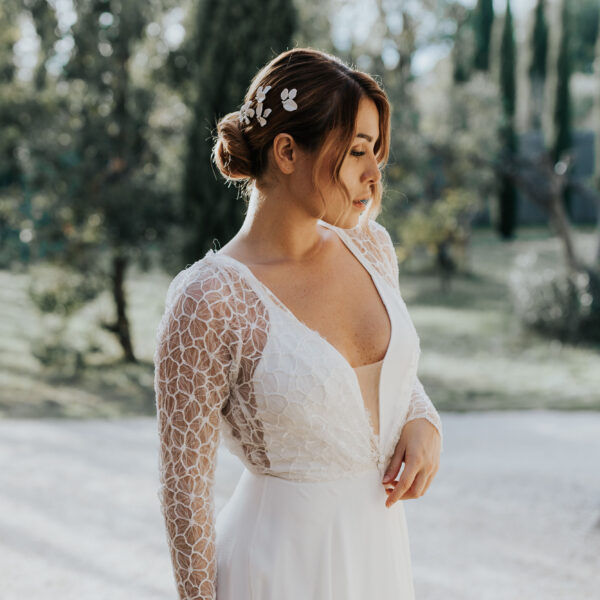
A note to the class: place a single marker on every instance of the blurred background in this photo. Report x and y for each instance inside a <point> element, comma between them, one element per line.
<point>492,196</point>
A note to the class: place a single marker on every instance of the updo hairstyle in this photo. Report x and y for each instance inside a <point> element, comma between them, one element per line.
<point>328,95</point>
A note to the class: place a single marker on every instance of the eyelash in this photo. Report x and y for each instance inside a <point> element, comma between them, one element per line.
<point>355,153</point>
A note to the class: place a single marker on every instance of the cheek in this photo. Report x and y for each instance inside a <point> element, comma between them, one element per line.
<point>348,171</point>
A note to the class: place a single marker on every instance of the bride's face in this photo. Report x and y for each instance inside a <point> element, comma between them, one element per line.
<point>359,171</point>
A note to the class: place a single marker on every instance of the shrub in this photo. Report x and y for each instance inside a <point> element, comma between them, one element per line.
<point>557,303</point>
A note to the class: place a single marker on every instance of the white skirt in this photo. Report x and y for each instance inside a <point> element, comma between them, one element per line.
<point>328,540</point>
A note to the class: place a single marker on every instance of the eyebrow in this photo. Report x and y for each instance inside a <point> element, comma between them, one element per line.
<point>365,135</point>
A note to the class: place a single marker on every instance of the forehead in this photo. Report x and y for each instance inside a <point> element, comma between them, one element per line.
<point>367,118</point>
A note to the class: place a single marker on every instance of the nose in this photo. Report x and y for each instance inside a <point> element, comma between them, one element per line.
<point>372,174</point>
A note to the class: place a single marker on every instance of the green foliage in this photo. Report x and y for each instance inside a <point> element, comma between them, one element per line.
<point>585,25</point>
<point>507,197</point>
<point>59,293</point>
<point>463,46</point>
<point>91,187</point>
<point>508,51</point>
<point>440,224</point>
<point>537,68</point>
<point>560,304</point>
<point>223,65</point>
<point>483,22</point>
<point>563,107</point>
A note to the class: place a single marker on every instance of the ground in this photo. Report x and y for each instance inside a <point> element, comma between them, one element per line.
<point>513,513</point>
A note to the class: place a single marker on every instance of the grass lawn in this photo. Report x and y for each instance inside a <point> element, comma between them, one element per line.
<point>474,354</point>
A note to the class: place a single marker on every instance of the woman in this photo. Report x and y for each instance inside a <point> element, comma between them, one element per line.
<point>294,343</point>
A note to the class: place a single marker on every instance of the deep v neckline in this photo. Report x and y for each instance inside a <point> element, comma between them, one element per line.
<point>376,439</point>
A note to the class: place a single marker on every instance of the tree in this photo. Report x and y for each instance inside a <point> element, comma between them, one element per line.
<point>585,15</point>
<point>223,68</point>
<point>462,47</point>
<point>483,22</point>
<point>18,109</point>
<point>93,160</point>
<point>46,24</point>
<point>597,141</point>
<point>537,67</point>
<point>508,193</point>
<point>563,110</point>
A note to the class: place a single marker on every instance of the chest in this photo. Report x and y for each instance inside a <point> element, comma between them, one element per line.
<point>339,300</point>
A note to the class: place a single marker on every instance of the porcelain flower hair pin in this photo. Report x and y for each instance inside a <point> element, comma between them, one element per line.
<point>261,93</point>
<point>287,98</point>
<point>246,112</point>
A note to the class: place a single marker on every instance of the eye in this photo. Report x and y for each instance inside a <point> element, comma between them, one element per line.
<point>356,153</point>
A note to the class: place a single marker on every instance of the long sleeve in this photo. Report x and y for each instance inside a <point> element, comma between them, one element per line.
<point>193,364</point>
<point>421,406</point>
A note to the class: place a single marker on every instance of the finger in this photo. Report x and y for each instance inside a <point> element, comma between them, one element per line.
<point>404,483</point>
<point>395,463</point>
<point>417,488</point>
<point>429,480</point>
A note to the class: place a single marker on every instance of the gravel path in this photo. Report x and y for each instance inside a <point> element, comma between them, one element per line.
<point>514,512</point>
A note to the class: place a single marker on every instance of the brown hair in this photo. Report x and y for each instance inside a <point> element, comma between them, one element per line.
<point>328,96</point>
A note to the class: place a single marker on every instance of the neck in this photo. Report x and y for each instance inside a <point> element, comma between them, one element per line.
<point>277,228</point>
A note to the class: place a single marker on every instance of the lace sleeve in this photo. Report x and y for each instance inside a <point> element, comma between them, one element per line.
<point>420,406</point>
<point>193,367</point>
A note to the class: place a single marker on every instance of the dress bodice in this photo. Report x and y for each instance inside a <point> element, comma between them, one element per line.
<point>233,361</point>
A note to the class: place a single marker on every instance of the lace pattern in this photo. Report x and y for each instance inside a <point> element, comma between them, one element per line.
<point>219,370</point>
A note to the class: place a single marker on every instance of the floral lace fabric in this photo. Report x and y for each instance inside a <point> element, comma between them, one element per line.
<point>232,362</point>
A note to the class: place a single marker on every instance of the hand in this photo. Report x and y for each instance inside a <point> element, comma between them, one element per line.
<point>419,447</point>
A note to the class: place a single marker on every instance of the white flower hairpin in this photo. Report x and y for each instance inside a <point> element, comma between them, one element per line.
<point>260,98</point>
<point>287,99</point>
<point>246,112</point>
<point>261,93</point>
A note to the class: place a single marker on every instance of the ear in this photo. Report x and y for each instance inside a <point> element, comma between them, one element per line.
<point>285,152</point>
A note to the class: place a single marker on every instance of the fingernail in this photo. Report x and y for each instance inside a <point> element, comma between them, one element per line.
<point>386,478</point>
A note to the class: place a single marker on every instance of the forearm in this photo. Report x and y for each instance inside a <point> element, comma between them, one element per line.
<point>421,407</point>
<point>192,546</point>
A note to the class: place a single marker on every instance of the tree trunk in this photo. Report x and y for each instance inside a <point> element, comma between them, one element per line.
<point>121,325</point>
<point>559,218</point>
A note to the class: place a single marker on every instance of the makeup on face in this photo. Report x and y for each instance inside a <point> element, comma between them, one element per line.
<point>360,204</point>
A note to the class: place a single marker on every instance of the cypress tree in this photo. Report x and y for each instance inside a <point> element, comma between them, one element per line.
<point>563,139</point>
<point>508,193</point>
<point>537,67</point>
<point>256,31</point>
<point>539,42</point>
<point>461,50</point>
<point>508,52</point>
<point>483,22</point>
<point>597,138</point>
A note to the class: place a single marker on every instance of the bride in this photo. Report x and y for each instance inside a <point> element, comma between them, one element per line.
<point>293,343</point>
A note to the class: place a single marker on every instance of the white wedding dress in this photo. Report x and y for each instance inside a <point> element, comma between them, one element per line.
<point>307,519</point>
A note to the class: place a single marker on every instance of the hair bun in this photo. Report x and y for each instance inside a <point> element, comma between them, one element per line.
<point>231,153</point>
